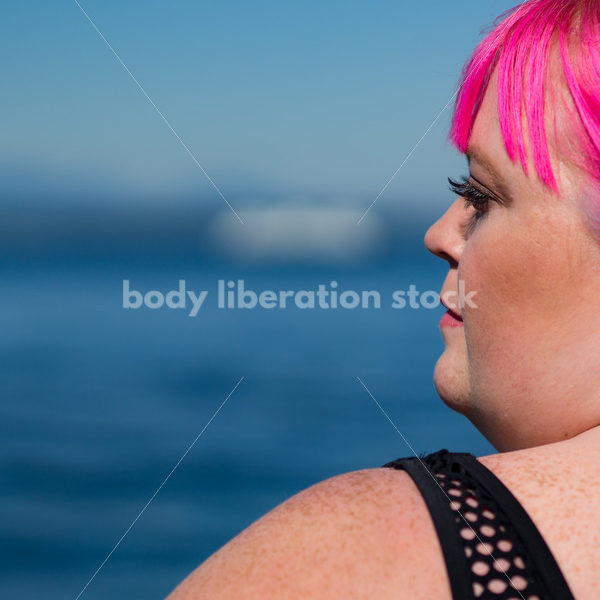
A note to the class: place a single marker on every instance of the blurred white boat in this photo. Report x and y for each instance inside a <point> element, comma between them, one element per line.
<point>284,233</point>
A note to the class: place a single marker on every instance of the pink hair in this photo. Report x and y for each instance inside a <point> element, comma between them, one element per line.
<point>520,49</point>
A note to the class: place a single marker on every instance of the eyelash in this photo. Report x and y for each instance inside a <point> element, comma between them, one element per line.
<point>472,197</point>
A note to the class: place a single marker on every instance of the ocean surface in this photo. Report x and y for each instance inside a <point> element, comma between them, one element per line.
<point>99,403</point>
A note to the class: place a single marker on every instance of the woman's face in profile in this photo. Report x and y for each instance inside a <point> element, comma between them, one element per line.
<point>525,365</point>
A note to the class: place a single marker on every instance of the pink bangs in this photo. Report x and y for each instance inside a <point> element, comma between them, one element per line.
<point>519,48</point>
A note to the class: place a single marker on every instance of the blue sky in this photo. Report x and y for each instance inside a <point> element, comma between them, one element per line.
<point>306,99</point>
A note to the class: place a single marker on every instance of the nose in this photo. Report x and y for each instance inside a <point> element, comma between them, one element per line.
<point>444,237</point>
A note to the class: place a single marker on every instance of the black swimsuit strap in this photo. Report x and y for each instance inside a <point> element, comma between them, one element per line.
<point>491,547</point>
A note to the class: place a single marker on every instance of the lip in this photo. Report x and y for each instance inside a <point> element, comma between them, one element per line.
<point>450,318</point>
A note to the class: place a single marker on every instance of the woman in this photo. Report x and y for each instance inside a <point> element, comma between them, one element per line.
<point>522,362</point>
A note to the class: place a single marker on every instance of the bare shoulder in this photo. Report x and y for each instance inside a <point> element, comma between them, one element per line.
<point>555,484</point>
<point>363,534</point>
<point>542,474</point>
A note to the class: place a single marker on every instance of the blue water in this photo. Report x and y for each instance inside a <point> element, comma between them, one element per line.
<point>99,403</point>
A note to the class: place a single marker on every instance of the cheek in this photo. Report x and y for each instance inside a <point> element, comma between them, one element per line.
<point>515,278</point>
<point>528,276</point>
<point>488,274</point>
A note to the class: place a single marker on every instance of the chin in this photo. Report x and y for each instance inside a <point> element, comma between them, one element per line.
<point>451,381</point>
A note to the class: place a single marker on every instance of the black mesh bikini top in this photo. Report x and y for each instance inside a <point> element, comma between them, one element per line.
<point>490,545</point>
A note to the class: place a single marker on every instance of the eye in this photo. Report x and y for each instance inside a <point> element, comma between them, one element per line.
<point>473,197</point>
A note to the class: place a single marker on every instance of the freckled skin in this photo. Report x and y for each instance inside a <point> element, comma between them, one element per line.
<point>526,366</point>
<point>525,369</point>
<point>557,485</point>
<point>361,535</point>
<point>526,353</point>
